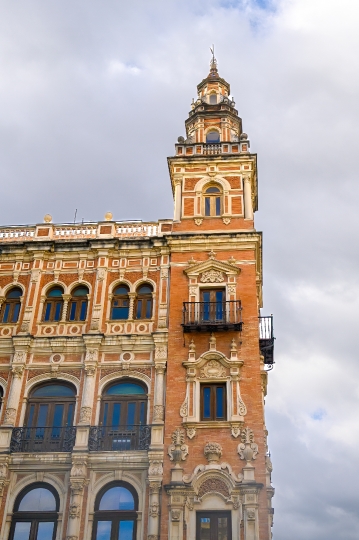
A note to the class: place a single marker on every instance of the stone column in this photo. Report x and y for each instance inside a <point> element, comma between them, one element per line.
<point>158,406</point>
<point>78,480</point>
<point>66,298</point>
<point>178,199</point>
<point>248,208</point>
<point>14,396</point>
<point>88,394</point>
<point>131,307</point>
<point>154,506</point>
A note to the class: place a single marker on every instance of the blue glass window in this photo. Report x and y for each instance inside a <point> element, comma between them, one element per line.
<point>125,388</point>
<point>213,401</point>
<point>207,403</point>
<point>54,390</point>
<point>78,305</point>
<point>117,498</point>
<point>120,303</point>
<point>11,308</point>
<point>212,137</point>
<point>55,292</point>
<point>144,302</point>
<point>38,500</point>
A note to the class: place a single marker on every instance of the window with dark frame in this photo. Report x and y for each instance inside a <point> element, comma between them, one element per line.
<point>53,305</point>
<point>35,513</point>
<point>213,304</point>
<point>115,514</point>
<point>213,137</point>
<point>10,309</point>
<point>143,307</point>
<point>120,304</point>
<point>77,310</point>
<point>212,201</point>
<point>124,404</point>
<point>213,402</point>
<point>213,525</point>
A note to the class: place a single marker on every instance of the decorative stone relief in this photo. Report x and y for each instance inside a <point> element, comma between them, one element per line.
<point>101,274</point>
<point>85,415</point>
<point>247,449</point>
<point>213,484</point>
<point>10,415</point>
<point>178,451</point>
<point>193,290</point>
<point>251,514</point>
<point>175,514</point>
<point>158,412</point>
<point>242,409</point>
<point>17,371</point>
<point>155,468</point>
<point>71,537</point>
<point>154,509</point>
<point>154,486</point>
<point>91,355</point>
<point>226,220</point>
<point>213,369</point>
<point>74,510</point>
<point>90,371</point>
<point>191,432</point>
<point>235,430</point>
<point>198,221</point>
<point>184,408</point>
<point>3,477</point>
<point>212,342</point>
<point>212,276</point>
<point>161,351</point>
<point>231,289</point>
<point>78,468</point>
<point>213,452</point>
<point>19,356</point>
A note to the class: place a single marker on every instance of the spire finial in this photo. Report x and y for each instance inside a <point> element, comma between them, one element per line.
<point>213,63</point>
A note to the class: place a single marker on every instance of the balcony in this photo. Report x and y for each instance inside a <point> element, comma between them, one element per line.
<point>119,438</point>
<point>266,339</point>
<point>212,316</point>
<point>42,439</point>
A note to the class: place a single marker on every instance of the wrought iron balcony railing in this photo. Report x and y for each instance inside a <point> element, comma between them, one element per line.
<point>212,316</point>
<point>43,439</point>
<point>266,339</point>
<point>119,438</point>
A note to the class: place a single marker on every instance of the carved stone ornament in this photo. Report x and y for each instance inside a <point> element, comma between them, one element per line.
<point>236,431</point>
<point>212,276</point>
<point>213,484</point>
<point>175,514</point>
<point>198,221</point>
<point>78,469</point>
<point>251,514</point>
<point>153,537</point>
<point>213,369</point>
<point>25,326</point>
<point>85,415</point>
<point>154,486</point>
<point>231,289</point>
<point>3,471</point>
<point>154,509</point>
<point>10,415</point>
<point>17,371</point>
<point>71,537</point>
<point>242,409</point>
<point>193,290</point>
<point>77,485</point>
<point>184,408</point>
<point>178,451</point>
<point>91,355</point>
<point>90,371</point>
<point>247,449</point>
<point>226,220</point>
<point>161,351</point>
<point>101,274</point>
<point>158,412</point>
<point>213,452</point>
<point>74,510</point>
<point>191,432</point>
<point>155,468</point>
<point>19,356</point>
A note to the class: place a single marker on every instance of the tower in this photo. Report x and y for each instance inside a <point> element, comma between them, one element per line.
<point>133,359</point>
<point>218,478</point>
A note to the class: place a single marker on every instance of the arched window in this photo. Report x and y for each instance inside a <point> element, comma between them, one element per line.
<point>124,403</point>
<point>144,302</point>
<point>212,137</point>
<point>120,303</point>
<point>115,513</point>
<point>35,513</point>
<point>213,99</point>
<point>78,304</point>
<point>11,308</point>
<point>53,304</point>
<point>49,414</point>
<point>212,201</point>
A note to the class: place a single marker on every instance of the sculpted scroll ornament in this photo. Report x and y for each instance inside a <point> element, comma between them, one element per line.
<point>184,408</point>
<point>213,369</point>
<point>178,451</point>
<point>212,276</point>
<point>247,449</point>
<point>242,409</point>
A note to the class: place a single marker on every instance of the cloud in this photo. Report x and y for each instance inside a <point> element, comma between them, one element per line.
<point>93,99</point>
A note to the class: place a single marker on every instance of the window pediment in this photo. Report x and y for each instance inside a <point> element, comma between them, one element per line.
<point>212,271</point>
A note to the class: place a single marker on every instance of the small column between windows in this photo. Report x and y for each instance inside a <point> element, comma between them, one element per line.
<point>248,209</point>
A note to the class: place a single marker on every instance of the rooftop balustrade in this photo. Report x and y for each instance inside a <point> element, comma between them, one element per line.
<point>209,149</point>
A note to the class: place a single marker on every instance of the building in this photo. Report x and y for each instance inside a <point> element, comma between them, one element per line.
<point>134,359</point>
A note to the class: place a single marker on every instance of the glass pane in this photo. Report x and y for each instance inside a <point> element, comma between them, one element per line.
<point>145,289</point>
<point>42,416</point>
<point>116,414</point>
<point>6,313</point>
<point>205,528</point>
<point>139,309</point>
<point>218,206</point>
<point>31,415</point>
<point>213,190</point>
<point>206,402</point>
<point>212,137</point>
<point>45,530</point>
<point>14,293</point>
<point>58,307</point>
<point>125,531</point>
<point>125,389</point>
<point>57,421</point>
<point>207,206</point>
<point>219,402</point>
<point>131,410</point>
<point>70,414</point>
<point>22,530</point>
<point>72,311</point>
<point>47,311</point>
<point>119,313</point>
<point>103,530</point>
<point>15,313</point>
<point>148,309</point>
<point>213,99</point>
<point>142,413</point>
<point>55,292</point>
<point>121,290</point>
<point>80,291</point>
<point>54,390</point>
<point>222,528</point>
<point>117,498</point>
<point>38,500</point>
<point>105,414</point>
<point>83,311</point>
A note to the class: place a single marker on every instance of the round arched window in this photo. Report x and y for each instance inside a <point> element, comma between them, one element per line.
<point>212,137</point>
<point>144,301</point>
<point>53,305</point>
<point>212,201</point>
<point>35,513</point>
<point>78,304</point>
<point>115,513</point>
<point>10,310</point>
<point>120,303</point>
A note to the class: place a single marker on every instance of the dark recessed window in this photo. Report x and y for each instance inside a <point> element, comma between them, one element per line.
<point>35,513</point>
<point>213,306</point>
<point>213,99</point>
<point>77,310</point>
<point>10,310</point>
<point>124,404</point>
<point>213,526</point>
<point>115,513</point>
<point>120,303</point>
<point>143,308</point>
<point>213,402</point>
<point>212,137</point>
<point>53,305</point>
<point>213,201</point>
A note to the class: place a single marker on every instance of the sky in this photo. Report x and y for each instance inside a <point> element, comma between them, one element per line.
<point>93,97</point>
